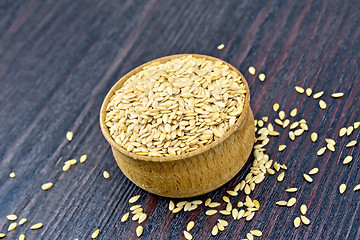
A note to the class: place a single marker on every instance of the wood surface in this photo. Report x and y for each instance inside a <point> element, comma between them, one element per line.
<point>58,59</point>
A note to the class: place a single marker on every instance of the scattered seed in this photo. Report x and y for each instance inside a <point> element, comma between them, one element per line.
<point>351,144</point>
<point>226,199</point>
<point>298,132</point>
<point>347,159</point>
<point>279,122</point>
<point>139,231</point>
<point>297,222</point>
<point>330,147</point>
<point>2,235</point>
<point>36,226</point>
<point>106,174</point>
<point>187,235</point>
<point>215,230</point>
<point>313,171</point>
<point>190,225</point>
<point>71,162</point>
<point>308,92</point>
<point>22,221</point>
<point>281,115</point>
<point>83,158</point>
<point>321,151</point>
<point>292,135</point>
<point>303,209</point>
<point>357,187</point>
<point>214,204</point>
<point>305,220</point>
<point>11,217</point>
<point>132,199</point>
<point>249,236</point>
<point>293,112</point>
<point>224,212</point>
<point>12,226</point>
<point>318,95</point>
<point>176,210</point>
<point>337,95</point>
<point>308,178</point>
<point>134,207</point>
<point>142,218</point>
<point>314,136</point>
<point>286,123</point>
<point>322,104</point>
<point>22,237</point>
<point>281,148</point>
<point>229,207</point>
<point>356,125</point>
<point>281,177</point>
<point>276,107</point>
<point>187,206</point>
<point>349,130</point>
<point>172,205</point>
<point>47,186</point>
<point>256,233</point>
<point>281,203</point>
<point>207,202</point>
<point>125,217</point>
<point>69,136</point>
<point>294,125</point>
<point>232,193</point>
<point>220,47</point>
<point>342,131</point>
<point>291,190</point>
<point>291,202</point>
<point>262,77</point>
<point>299,89</point>
<point>342,188</point>
<point>211,212</point>
<point>12,175</point>
<point>252,70</point>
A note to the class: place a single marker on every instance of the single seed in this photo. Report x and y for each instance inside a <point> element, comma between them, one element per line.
<point>313,171</point>
<point>276,166</point>
<point>342,131</point>
<point>308,92</point>
<point>220,227</point>
<point>207,202</point>
<point>249,236</point>
<point>322,104</point>
<point>142,218</point>
<point>36,226</point>
<point>321,151</point>
<point>297,222</point>
<point>281,203</point>
<point>276,107</point>
<point>215,230</point>
<point>83,158</point>
<point>134,207</point>
<point>187,206</point>
<point>46,186</point>
<point>2,235</point>
<point>351,144</point>
<point>125,217</point>
<point>305,220</point>
<point>22,237</point>
<point>292,135</point>
<point>190,225</point>
<point>250,216</point>
<point>291,190</point>
<point>12,226</point>
<point>357,187</point>
<point>299,89</point>
<point>270,171</point>
<point>318,95</point>
<point>224,212</point>
<point>281,148</point>
<point>337,95</point>
<point>262,77</point>
<point>330,147</point>
<point>281,177</point>
<point>220,47</point>
<point>291,202</point>
<point>303,209</point>
<point>279,122</point>
<point>294,125</point>
<point>22,221</point>
<point>265,119</point>
<point>66,167</point>
<point>308,178</point>
<point>139,231</point>
<point>106,174</point>
<point>134,199</point>
<point>281,115</point>
<point>293,112</point>
<point>256,233</point>
<point>330,141</point>
<point>342,188</point>
<point>314,136</point>
<point>232,193</point>
<point>69,136</point>
<point>211,212</point>
<point>12,175</point>
<point>349,130</point>
<point>214,204</point>
<point>176,210</point>
<point>229,207</point>
<point>298,132</point>
<point>356,125</point>
<point>172,205</point>
<point>11,217</point>
<point>234,213</point>
<point>286,123</point>
<point>187,235</point>
<point>252,70</point>
<point>226,199</point>
<point>71,162</point>
<point>197,202</point>
<point>347,159</point>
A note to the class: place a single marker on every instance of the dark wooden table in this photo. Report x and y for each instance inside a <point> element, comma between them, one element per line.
<point>58,59</point>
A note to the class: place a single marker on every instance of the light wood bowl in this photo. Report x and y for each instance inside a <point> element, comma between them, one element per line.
<point>193,173</point>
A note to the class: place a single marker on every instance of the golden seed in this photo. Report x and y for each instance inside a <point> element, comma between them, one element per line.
<point>232,193</point>
<point>12,226</point>
<point>305,220</point>
<point>297,222</point>
<point>342,188</point>
<point>313,171</point>
<point>281,203</point>
<point>220,47</point>
<point>213,204</point>
<point>276,166</point>
<point>197,202</point>
<point>22,221</point>
<point>224,212</point>
<point>308,92</point>
<point>265,119</point>
<point>351,144</point>
<point>133,199</point>
<point>303,209</point>
<point>330,147</point>
<point>187,206</point>
<point>281,115</point>
<point>276,107</point>
<point>262,77</point>
<point>256,233</point>
<point>291,202</point>
<point>299,89</point>
<point>291,190</point>
<point>125,217</point>
<point>252,70</point>
<point>211,212</point>
<point>215,230</point>
<point>292,135</point>
<point>321,151</point>
<point>322,104</point>
<point>83,158</point>
<point>347,159</point>
<point>226,199</point>
<point>172,205</point>
<point>66,167</point>
<point>2,235</point>
<point>279,122</point>
<point>281,177</point>
<point>318,95</point>
<point>207,202</point>
<point>134,207</point>
<point>270,171</point>
<point>314,136</point>
<point>281,148</point>
<point>220,227</point>
<point>47,186</point>
<point>229,207</point>
<point>286,123</point>
<point>187,235</point>
<point>330,141</point>
<point>349,130</point>
<point>139,231</point>
<point>12,175</point>
<point>176,210</point>
<point>298,132</point>
<point>190,225</point>
<point>106,174</point>
<point>234,213</point>
<point>307,178</point>
<point>142,218</point>
<point>71,162</point>
<point>11,217</point>
<point>22,237</point>
<point>356,125</point>
<point>337,95</point>
<point>293,112</point>
<point>294,125</point>
<point>36,226</point>
<point>342,131</point>
<point>249,236</point>
<point>69,136</point>
<point>357,187</point>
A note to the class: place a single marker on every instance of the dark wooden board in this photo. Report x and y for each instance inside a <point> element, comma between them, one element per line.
<point>58,59</point>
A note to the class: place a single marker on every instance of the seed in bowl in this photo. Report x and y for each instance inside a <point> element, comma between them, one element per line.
<point>175,107</point>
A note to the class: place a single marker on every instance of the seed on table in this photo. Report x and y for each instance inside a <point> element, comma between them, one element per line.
<point>330,147</point>
<point>281,203</point>
<point>215,230</point>
<point>322,104</point>
<point>357,187</point>
<point>281,148</point>
<point>47,186</point>
<point>279,122</point>
<point>330,141</point>
<point>291,190</point>
<point>125,217</point>
<point>349,130</point>
<point>321,151</point>
<point>291,202</point>
<point>226,199</point>
<point>142,218</point>
<point>12,226</point>
<point>211,212</point>
<point>249,236</point>
<point>134,207</point>
<point>213,204</point>
<point>2,235</point>
<point>232,193</point>
<point>176,210</point>
<point>299,89</point>
<point>187,206</point>
<point>294,125</point>
<point>66,167</point>
<point>318,95</point>
<point>69,136</point>
<point>351,144</point>
<point>229,207</point>
<point>297,222</point>
<point>262,77</point>
<point>276,107</point>
<point>347,159</point>
<point>270,171</point>
<point>298,132</point>
<point>139,231</point>
<point>256,204</point>
<point>220,47</point>
<point>281,115</point>
<point>313,171</point>
<point>220,227</point>
<point>208,201</point>
<point>22,237</point>
<point>307,178</point>
<point>12,174</point>
<point>224,212</point>
<point>134,199</point>
<point>281,177</point>
<point>293,112</point>
<point>36,226</point>
<point>286,123</point>
<point>276,166</point>
<point>337,95</point>
<point>11,217</point>
<point>83,158</point>
<point>223,222</point>
<point>71,162</point>
<point>342,131</point>
<point>314,136</point>
<point>138,210</point>
<point>305,220</point>
<point>197,202</point>
<point>303,209</point>
<point>265,119</point>
<point>187,235</point>
<point>190,225</point>
<point>342,188</point>
<point>250,216</point>
<point>308,92</point>
<point>234,213</point>
<point>252,70</point>
<point>356,125</point>
<point>106,174</point>
<point>256,233</point>
<point>292,135</point>
<point>22,221</point>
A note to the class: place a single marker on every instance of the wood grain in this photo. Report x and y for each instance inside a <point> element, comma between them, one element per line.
<point>58,59</point>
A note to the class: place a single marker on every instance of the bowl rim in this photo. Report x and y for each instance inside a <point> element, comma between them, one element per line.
<point>105,130</point>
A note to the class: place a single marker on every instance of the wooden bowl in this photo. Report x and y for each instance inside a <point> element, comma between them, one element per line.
<point>193,173</point>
